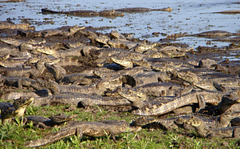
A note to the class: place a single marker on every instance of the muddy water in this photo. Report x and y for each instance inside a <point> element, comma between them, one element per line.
<point>188,16</point>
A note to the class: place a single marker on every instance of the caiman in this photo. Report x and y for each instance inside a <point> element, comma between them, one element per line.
<point>201,97</point>
<point>213,34</point>
<point>159,89</point>
<point>79,99</point>
<point>24,94</point>
<point>97,87</point>
<point>165,123</point>
<point>24,72</point>
<point>145,78</point>
<point>10,25</point>
<point>20,82</point>
<point>64,31</point>
<point>225,132</point>
<point>173,52</point>
<point>143,47</point>
<point>85,13</point>
<point>108,73</point>
<point>141,9</point>
<point>138,97</point>
<point>7,114</point>
<point>87,128</point>
<point>17,109</point>
<point>235,122</point>
<point>79,78</point>
<point>223,120</point>
<point>57,71</point>
<point>230,102</point>
<point>181,121</point>
<point>44,122</point>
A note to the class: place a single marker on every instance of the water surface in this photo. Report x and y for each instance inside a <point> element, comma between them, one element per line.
<point>188,16</point>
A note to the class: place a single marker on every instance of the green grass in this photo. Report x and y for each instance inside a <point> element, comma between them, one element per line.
<point>14,135</point>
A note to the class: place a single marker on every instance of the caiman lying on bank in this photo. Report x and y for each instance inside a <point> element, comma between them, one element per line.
<point>17,109</point>
<point>203,131</point>
<point>80,99</point>
<point>200,97</point>
<point>87,128</point>
<point>44,122</point>
<point>223,120</point>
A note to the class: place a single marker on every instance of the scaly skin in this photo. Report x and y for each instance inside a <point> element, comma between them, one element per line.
<point>226,132</point>
<point>166,123</point>
<point>61,118</point>
<point>87,128</point>
<point>7,113</point>
<point>21,81</point>
<point>8,25</point>
<point>212,122</point>
<point>159,89</point>
<point>190,98</point>
<point>16,109</point>
<point>230,102</point>
<point>174,122</point>
<point>44,122</point>
<point>77,99</point>
<point>24,72</point>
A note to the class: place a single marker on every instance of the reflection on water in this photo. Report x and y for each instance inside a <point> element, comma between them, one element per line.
<point>188,16</point>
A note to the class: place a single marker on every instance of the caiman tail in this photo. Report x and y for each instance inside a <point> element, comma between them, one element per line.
<point>52,137</point>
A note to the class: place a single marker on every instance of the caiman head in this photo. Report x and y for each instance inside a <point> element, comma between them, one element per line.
<point>126,63</point>
<point>131,94</point>
<point>142,121</point>
<point>194,122</point>
<point>21,104</point>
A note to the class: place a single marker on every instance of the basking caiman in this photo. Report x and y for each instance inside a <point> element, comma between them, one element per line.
<point>200,97</point>
<point>87,128</point>
<point>203,131</point>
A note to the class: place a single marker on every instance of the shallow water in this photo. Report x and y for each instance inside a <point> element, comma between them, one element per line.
<point>188,16</point>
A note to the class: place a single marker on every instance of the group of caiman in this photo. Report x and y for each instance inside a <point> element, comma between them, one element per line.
<point>78,66</point>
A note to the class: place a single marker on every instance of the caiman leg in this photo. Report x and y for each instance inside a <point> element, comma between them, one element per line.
<point>236,133</point>
<point>19,84</point>
<point>201,102</point>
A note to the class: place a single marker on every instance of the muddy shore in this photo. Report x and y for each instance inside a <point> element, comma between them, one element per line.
<point>84,66</point>
<point>186,17</point>
<point>76,49</point>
